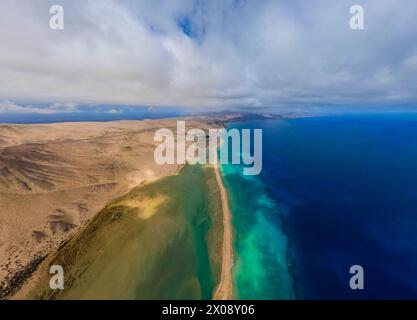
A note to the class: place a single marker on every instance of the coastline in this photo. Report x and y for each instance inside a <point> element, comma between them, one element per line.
<point>46,210</point>
<point>224,290</point>
<point>261,269</point>
<point>224,287</point>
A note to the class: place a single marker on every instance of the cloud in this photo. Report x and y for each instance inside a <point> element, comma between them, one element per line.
<point>208,53</point>
<point>11,107</point>
<point>114,111</point>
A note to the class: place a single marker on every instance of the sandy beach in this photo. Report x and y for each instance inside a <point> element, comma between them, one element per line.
<point>224,290</point>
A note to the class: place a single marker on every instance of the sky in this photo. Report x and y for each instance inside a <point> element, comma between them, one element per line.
<point>206,54</point>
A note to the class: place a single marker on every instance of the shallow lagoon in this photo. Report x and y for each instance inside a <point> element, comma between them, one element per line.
<point>160,241</point>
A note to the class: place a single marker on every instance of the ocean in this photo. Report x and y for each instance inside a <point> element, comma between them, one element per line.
<point>335,191</point>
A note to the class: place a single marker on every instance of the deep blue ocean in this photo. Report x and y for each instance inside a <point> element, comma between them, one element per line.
<point>345,188</point>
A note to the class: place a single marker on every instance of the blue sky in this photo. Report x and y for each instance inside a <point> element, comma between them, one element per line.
<point>292,55</point>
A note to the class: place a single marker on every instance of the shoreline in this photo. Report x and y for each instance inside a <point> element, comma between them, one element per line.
<point>224,290</point>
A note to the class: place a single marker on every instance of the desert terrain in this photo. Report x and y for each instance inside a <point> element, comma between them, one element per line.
<point>54,178</point>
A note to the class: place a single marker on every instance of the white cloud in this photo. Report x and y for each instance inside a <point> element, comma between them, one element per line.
<point>114,111</point>
<point>240,53</point>
<point>11,107</point>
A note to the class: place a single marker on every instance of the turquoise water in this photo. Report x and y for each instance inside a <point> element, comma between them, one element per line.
<point>346,188</point>
<point>261,270</point>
